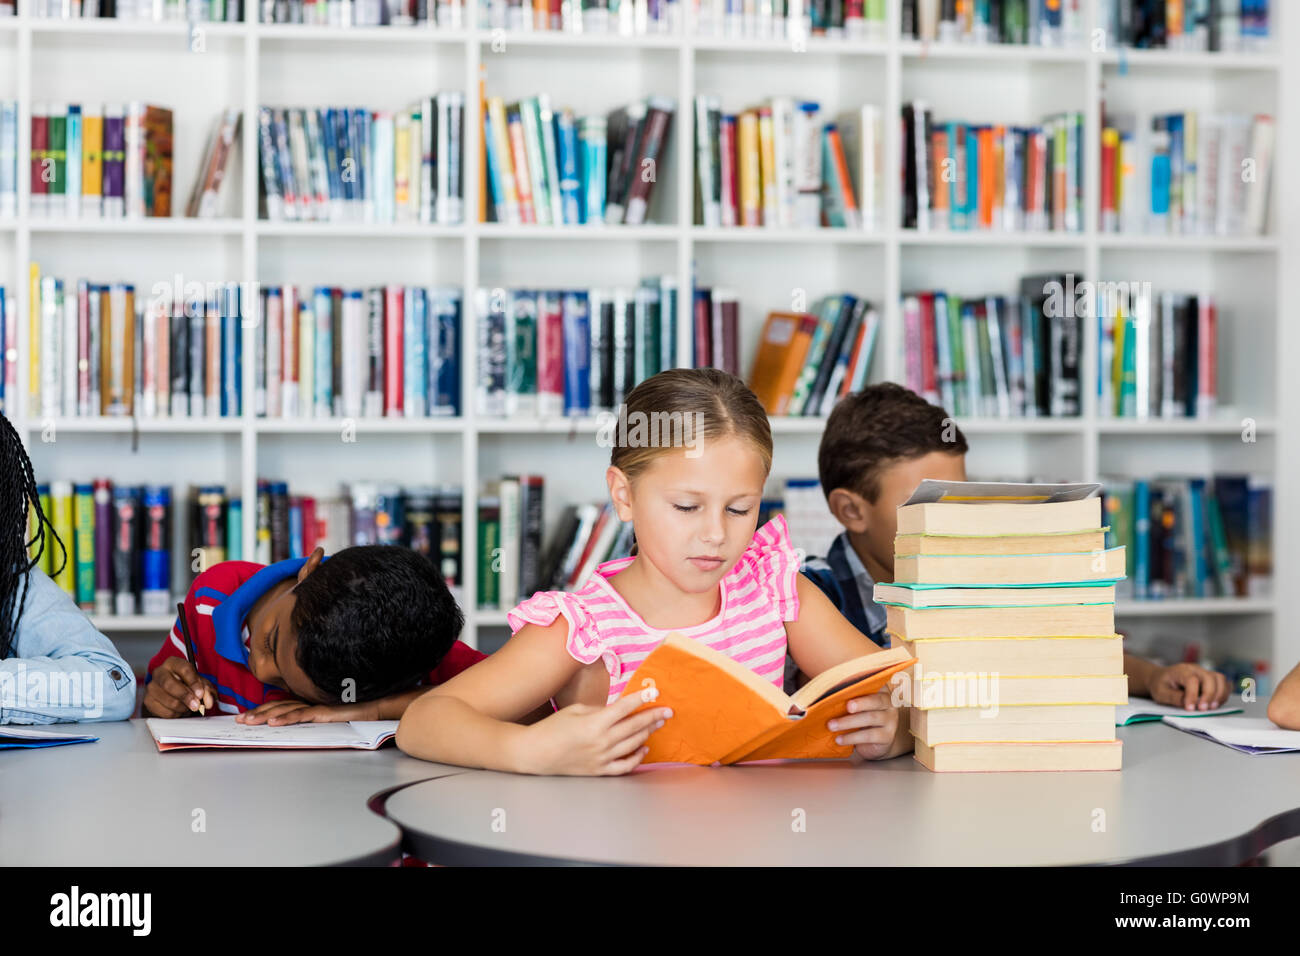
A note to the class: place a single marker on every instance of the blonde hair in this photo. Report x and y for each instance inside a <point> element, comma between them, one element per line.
<point>716,405</point>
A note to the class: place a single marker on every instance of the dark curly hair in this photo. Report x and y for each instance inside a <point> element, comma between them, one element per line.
<point>379,615</point>
<point>883,423</point>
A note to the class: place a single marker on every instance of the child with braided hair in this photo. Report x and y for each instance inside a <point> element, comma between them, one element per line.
<point>54,665</point>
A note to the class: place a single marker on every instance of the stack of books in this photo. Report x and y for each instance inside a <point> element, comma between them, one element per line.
<point>1005,595</point>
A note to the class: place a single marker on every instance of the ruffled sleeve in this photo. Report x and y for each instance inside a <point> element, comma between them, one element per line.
<point>583,644</point>
<point>775,563</point>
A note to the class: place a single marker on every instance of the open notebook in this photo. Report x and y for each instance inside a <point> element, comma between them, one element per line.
<point>1139,710</point>
<point>187,733</point>
<point>29,738</point>
<point>1250,735</point>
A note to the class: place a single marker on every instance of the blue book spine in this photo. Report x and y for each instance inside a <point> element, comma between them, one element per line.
<point>347,156</point>
<point>1199,536</point>
<point>322,397</point>
<point>577,354</point>
<point>1141,539</point>
<point>413,353</point>
<point>1175,159</point>
<point>230,352</point>
<point>156,556</point>
<point>361,123</point>
<point>972,175</point>
<point>289,188</point>
<point>444,358</point>
<point>8,159</point>
<point>72,176</point>
<point>567,140</point>
<point>332,165</point>
<point>593,172</point>
<point>4,349</point>
<point>494,171</point>
<point>295,528</point>
<point>234,530</point>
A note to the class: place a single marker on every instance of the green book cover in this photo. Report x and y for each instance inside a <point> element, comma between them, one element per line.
<point>489,539</point>
<point>988,384</point>
<point>84,517</point>
<point>530,116</point>
<point>58,153</point>
<point>521,344</point>
<point>958,350</point>
<point>1128,371</point>
<point>46,562</point>
<point>1222,566</point>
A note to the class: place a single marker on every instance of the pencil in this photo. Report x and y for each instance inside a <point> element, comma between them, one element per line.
<point>189,650</point>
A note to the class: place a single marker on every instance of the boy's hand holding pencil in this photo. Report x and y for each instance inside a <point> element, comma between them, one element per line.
<point>177,690</point>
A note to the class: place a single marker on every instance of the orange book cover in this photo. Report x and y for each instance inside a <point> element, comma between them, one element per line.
<point>724,713</point>
<point>986,184</point>
<point>782,349</point>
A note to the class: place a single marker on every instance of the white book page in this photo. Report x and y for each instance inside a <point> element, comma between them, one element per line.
<point>224,731</point>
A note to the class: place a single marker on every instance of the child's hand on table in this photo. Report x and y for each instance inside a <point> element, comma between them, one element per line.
<point>176,690</point>
<point>281,713</point>
<point>870,725</point>
<point>582,740</point>
<point>1188,686</point>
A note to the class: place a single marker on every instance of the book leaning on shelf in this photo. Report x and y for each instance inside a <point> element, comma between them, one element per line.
<point>445,14</point>
<point>1193,537</point>
<point>1157,355</point>
<point>385,351</point>
<point>806,361</point>
<point>961,176</point>
<point>997,356</point>
<point>572,352</point>
<point>101,349</point>
<point>349,164</point>
<point>108,162</point>
<point>1233,26</point>
<point>546,166</point>
<point>149,11</point>
<point>782,165</point>
<point>1050,23</point>
<point>1207,174</point>
<point>599,17</point>
<point>791,19</point>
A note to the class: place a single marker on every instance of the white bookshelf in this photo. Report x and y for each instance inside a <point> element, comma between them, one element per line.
<point>250,64</point>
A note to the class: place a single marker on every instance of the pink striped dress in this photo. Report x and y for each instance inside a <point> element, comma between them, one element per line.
<point>758,596</point>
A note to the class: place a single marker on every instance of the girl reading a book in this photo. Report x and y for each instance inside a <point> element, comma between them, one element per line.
<point>688,471</point>
<point>54,665</point>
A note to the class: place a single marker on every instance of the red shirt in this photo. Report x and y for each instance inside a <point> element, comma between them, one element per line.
<point>215,608</point>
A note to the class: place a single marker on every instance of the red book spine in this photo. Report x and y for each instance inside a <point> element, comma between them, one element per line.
<point>929,389</point>
<point>1207,373</point>
<point>40,143</point>
<point>393,360</point>
<point>703,331</point>
<point>310,530</point>
<point>550,347</point>
<point>730,189</point>
<point>1107,183</point>
<point>730,333</point>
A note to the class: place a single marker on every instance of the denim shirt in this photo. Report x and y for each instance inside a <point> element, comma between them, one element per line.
<point>62,668</point>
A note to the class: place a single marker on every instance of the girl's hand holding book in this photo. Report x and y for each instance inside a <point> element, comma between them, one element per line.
<point>870,725</point>
<point>585,740</point>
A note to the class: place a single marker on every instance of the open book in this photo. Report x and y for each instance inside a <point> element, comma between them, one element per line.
<point>187,733</point>
<point>725,713</point>
<point>1141,710</point>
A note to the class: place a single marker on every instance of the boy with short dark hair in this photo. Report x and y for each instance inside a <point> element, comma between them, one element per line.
<point>356,636</point>
<point>878,445</point>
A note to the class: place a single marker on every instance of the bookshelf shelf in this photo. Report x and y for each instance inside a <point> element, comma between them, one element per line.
<point>253,63</point>
<point>158,623</point>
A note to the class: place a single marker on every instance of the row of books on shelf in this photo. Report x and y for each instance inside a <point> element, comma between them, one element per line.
<point>359,165</point>
<point>783,165</point>
<point>120,539</point>
<point>571,352</point>
<point>1209,174</point>
<point>549,167</point>
<point>385,351</point>
<point>995,356</point>
<point>1050,23</point>
<point>111,162</point>
<point>1181,25</point>
<point>1233,26</point>
<point>1157,355</point>
<point>147,11</point>
<point>102,349</point>
<point>968,176</point>
<point>1193,537</point>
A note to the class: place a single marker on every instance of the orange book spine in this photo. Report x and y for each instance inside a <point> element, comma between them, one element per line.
<point>986,183</point>
<point>846,181</point>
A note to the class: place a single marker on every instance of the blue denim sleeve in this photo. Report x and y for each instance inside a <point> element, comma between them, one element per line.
<point>61,668</point>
